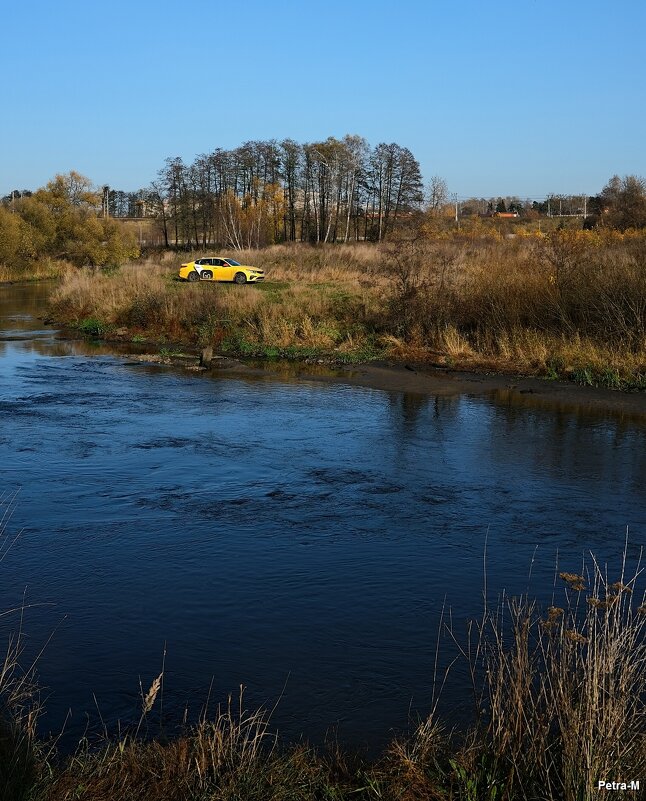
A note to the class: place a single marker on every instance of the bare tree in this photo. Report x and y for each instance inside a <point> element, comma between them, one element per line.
<point>437,194</point>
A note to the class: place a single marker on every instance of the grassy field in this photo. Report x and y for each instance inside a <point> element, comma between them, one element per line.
<point>570,304</point>
<point>559,703</point>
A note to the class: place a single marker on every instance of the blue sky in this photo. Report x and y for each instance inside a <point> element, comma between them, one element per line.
<point>499,98</point>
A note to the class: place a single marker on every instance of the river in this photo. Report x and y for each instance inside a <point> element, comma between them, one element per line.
<point>296,537</point>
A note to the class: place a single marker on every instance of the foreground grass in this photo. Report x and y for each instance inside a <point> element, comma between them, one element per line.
<point>568,305</point>
<point>560,703</point>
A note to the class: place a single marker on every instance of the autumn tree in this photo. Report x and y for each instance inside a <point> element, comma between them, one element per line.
<point>291,154</point>
<point>62,221</point>
<point>622,202</point>
<point>394,186</point>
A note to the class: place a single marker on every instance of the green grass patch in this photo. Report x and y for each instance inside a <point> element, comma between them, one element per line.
<point>602,377</point>
<point>554,368</point>
<point>170,352</point>
<point>93,327</point>
<point>237,345</point>
<point>361,355</point>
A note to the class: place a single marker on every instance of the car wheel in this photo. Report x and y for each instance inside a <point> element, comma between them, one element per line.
<point>192,276</point>
<point>240,278</point>
<point>206,275</point>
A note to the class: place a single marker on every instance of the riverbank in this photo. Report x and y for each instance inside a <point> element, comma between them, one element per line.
<point>567,307</point>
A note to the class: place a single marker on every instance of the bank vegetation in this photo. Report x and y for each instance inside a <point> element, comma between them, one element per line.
<point>567,304</point>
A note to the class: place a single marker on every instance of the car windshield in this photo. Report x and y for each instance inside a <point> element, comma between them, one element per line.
<point>233,263</point>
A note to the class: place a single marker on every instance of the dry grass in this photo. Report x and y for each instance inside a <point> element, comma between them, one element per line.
<point>571,304</point>
<point>36,270</point>
<point>563,703</point>
<point>212,760</point>
<point>19,698</point>
<point>355,265</point>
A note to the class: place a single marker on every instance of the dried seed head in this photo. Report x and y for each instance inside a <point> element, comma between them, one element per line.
<point>574,636</point>
<point>599,604</point>
<point>149,700</point>
<point>574,581</point>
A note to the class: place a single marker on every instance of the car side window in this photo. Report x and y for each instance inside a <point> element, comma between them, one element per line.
<point>200,262</point>
<point>217,262</point>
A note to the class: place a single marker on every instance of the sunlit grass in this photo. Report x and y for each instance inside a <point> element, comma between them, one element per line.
<point>571,305</point>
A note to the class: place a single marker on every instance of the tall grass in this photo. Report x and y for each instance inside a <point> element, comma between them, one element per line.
<point>213,759</point>
<point>560,698</point>
<point>566,696</point>
<point>320,307</point>
<point>558,305</point>
<point>19,697</point>
<point>35,270</point>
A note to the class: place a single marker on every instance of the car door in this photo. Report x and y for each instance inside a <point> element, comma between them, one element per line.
<point>229,270</point>
<point>221,270</point>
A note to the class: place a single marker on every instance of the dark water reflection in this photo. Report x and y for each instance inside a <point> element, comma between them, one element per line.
<point>295,537</point>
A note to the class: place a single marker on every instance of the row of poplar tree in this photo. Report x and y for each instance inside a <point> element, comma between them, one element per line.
<point>265,192</point>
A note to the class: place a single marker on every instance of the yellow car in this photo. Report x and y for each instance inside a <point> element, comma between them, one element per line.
<point>219,269</point>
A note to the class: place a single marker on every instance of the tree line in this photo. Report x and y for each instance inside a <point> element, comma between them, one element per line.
<point>336,191</point>
<point>265,192</point>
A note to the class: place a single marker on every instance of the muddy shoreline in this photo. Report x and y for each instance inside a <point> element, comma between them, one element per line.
<point>393,377</point>
<point>424,379</point>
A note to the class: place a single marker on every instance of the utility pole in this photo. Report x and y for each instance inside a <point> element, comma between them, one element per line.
<point>106,201</point>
